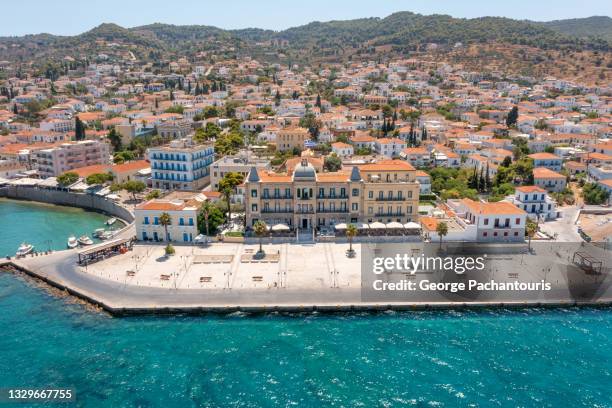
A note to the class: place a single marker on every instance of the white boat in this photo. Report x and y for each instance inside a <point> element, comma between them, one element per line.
<point>85,240</point>
<point>99,232</point>
<point>72,242</point>
<point>106,235</point>
<point>24,249</point>
<point>111,221</point>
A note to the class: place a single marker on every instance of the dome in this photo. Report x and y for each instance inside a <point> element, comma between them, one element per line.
<point>304,171</point>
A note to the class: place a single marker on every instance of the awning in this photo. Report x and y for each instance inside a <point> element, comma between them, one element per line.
<point>280,227</point>
<point>412,225</point>
<point>395,225</point>
<point>377,225</point>
<point>362,226</point>
<point>341,226</point>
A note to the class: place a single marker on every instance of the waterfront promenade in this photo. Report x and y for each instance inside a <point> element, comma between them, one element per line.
<point>225,277</point>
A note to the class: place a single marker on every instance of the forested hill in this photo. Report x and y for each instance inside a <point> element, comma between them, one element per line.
<point>596,26</point>
<point>404,30</point>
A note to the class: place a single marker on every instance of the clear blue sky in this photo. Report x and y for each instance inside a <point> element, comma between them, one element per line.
<point>69,17</point>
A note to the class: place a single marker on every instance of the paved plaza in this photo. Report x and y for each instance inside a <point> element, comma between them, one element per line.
<point>233,266</point>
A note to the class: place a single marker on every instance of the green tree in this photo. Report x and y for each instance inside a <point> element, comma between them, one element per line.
<point>594,195</point>
<point>442,230</point>
<point>332,163</point>
<point>351,232</point>
<point>261,229</point>
<point>512,117</point>
<point>115,140</point>
<point>67,179</point>
<point>153,194</point>
<point>134,187</point>
<point>79,129</point>
<point>226,187</point>
<point>98,178</point>
<point>530,230</point>
<point>165,220</point>
<point>210,218</point>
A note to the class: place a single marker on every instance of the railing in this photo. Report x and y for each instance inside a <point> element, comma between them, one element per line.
<point>276,211</point>
<point>268,197</point>
<point>332,197</point>
<point>389,214</point>
<point>390,198</point>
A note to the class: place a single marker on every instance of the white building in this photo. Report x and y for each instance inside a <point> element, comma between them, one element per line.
<point>72,155</point>
<point>183,214</point>
<point>182,165</point>
<point>495,222</point>
<point>342,149</point>
<point>241,163</point>
<point>536,202</point>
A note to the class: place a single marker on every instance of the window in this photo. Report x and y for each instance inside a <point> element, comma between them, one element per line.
<point>370,194</point>
<point>506,234</point>
<point>321,192</point>
<point>181,221</point>
<point>516,234</point>
<point>518,221</point>
<point>495,234</point>
<point>156,221</point>
<point>266,193</point>
<point>484,234</point>
<point>254,193</point>
<point>254,207</point>
<point>355,192</point>
<point>370,210</point>
<point>355,207</point>
<point>146,220</point>
<point>343,192</point>
<point>190,221</point>
<point>486,221</point>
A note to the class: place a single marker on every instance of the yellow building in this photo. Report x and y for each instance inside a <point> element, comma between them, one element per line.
<point>290,138</point>
<point>386,192</point>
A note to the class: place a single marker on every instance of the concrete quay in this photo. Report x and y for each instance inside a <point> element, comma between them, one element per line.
<point>224,278</point>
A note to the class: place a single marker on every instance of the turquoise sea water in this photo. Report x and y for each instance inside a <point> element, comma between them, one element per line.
<point>495,358</point>
<point>42,225</point>
<point>529,358</point>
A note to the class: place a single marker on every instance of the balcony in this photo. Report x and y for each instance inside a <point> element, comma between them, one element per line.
<point>390,198</point>
<point>277,211</point>
<point>269,197</point>
<point>332,211</point>
<point>390,214</point>
<point>332,197</point>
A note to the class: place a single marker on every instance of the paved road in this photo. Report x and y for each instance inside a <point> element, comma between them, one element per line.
<point>549,263</point>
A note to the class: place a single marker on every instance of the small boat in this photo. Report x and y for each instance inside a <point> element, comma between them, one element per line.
<point>24,249</point>
<point>99,232</point>
<point>106,235</point>
<point>72,242</point>
<point>85,240</point>
<point>111,221</point>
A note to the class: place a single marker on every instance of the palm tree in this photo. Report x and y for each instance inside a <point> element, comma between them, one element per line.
<point>442,230</point>
<point>351,232</point>
<point>165,220</point>
<point>530,229</point>
<point>260,229</point>
<point>206,209</point>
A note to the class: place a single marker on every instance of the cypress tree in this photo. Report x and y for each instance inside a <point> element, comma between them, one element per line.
<point>318,103</point>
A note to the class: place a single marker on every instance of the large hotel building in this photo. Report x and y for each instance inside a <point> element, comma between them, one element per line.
<point>386,191</point>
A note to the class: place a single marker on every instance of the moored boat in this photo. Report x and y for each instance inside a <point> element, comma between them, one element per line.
<point>111,221</point>
<point>24,249</point>
<point>106,235</point>
<point>72,242</point>
<point>99,232</point>
<point>85,240</point>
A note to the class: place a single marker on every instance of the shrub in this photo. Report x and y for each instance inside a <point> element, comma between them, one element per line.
<point>170,250</point>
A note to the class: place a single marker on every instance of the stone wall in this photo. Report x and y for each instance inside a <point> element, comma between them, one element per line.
<point>59,197</point>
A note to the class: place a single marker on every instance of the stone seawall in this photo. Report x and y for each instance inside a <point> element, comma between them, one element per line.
<point>58,197</point>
